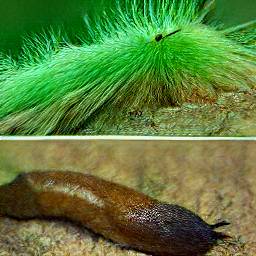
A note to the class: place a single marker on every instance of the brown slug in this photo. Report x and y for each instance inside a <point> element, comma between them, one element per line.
<point>118,213</point>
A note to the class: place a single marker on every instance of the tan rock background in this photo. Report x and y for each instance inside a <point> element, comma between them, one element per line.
<point>217,180</point>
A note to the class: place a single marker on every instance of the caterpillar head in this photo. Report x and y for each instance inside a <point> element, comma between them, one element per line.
<point>169,50</point>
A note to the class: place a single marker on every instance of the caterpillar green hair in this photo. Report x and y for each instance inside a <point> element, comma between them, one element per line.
<point>149,54</point>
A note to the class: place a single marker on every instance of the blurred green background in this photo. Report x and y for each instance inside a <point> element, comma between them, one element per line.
<point>17,17</point>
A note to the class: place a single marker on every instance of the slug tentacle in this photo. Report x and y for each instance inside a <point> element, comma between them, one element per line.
<point>220,224</point>
<point>120,214</point>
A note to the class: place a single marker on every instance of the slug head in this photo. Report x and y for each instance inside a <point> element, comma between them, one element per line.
<point>174,230</point>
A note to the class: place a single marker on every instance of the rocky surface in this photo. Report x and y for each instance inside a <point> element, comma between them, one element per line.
<point>232,114</point>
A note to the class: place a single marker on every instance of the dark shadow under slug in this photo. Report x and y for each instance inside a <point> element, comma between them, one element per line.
<point>118,213</point>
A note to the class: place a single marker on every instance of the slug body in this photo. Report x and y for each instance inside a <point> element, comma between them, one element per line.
<point>114,211</point>
<point>163,50</point>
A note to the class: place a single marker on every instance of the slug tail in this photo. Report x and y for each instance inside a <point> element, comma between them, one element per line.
<point>17,199</point>
<point>2,201</point>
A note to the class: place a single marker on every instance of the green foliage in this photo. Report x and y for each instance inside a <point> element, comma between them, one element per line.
<point>58,89</point>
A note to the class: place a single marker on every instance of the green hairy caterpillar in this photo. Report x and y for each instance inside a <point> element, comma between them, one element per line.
<point>147,54</point>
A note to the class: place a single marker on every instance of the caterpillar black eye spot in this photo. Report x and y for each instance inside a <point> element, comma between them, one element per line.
<point>159,37</point>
